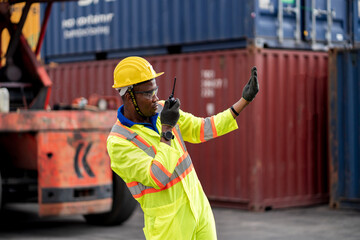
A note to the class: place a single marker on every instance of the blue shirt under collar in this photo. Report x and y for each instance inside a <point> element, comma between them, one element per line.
<point>128,123</point>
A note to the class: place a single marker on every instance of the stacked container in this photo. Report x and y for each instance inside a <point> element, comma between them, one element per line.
<point>279,155</point>
<point>344,119</point>
<point>100,29</point>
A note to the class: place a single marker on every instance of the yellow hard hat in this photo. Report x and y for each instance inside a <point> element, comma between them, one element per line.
<point>133,70</point>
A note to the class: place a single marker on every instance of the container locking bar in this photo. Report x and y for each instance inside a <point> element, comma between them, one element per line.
<point>329,15</point>
<point>288,9</point>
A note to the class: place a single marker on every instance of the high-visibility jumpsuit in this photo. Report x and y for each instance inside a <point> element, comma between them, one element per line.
<point>162,178</point>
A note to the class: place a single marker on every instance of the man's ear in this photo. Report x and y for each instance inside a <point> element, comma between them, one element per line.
<point>126,97</point>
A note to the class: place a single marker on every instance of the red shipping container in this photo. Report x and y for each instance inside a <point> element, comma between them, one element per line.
<point>278,156</point>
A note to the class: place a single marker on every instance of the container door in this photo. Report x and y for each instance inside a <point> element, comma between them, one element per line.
<point>278,23</point>
<point>356,22</point>
<point>325,22</point>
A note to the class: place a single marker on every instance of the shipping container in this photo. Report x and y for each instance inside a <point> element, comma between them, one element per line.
<point>278,157</point>
<point>81,79</point>
<point>356,22</point>
<point>344,121</point>
<point>31,29</point>
<point>105,29</point>
<point>326,21</point>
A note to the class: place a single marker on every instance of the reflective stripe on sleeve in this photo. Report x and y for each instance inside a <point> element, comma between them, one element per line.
<point>202,130</point>
<point>181,171</point>
<point>162,168</point>
<point>208,129</point>
<point>159,174</point>
<point>178,136</point>
<point>213,128</point>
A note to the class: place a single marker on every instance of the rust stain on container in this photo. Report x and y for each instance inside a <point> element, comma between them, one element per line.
<point>278,156</point>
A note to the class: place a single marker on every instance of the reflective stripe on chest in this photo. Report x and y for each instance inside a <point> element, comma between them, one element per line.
<point>158,172</point>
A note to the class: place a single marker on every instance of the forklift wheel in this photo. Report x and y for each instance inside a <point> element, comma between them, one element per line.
<point>0,192</point>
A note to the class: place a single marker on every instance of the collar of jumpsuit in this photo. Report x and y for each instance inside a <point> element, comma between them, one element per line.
<point>129,123</point>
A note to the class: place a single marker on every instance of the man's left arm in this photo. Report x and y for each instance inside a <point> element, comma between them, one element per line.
<point>196,130</point>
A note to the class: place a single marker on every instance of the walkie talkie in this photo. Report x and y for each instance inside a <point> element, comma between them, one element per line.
<point>172,100</point>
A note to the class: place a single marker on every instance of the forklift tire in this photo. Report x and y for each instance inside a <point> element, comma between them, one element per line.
<point>0,193</point>
<point>122,207</point>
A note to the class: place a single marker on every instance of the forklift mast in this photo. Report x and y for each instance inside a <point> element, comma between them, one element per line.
<point>23,75</point>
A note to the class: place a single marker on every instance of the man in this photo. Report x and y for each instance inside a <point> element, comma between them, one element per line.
<point>147,150</point>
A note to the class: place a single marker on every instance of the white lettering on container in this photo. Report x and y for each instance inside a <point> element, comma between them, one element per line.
<point>209,83</point>
<point>83,3</point>
<point>89,31</point>
<point>90,25</point>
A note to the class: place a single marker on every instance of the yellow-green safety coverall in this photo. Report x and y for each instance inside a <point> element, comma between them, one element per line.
<point>162,178</point>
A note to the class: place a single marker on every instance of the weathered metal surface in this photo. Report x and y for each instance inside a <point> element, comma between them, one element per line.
<point>11,142</point>
<point>83,79</point>
<point>344,131</point>
<point>25,121</point>
<point>68,150</point>
<point>278,157</point>
<point>71,167</point>
<point>91,30</point>
<point>74,208</point>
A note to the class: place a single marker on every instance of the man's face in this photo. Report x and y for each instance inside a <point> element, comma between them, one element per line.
<point>146,97</point>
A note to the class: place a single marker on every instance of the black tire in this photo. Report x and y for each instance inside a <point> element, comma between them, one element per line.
<point>122,207</point>
<point>0,193</point>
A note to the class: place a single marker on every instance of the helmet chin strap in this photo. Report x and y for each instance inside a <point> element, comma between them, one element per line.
<point>137,109</point>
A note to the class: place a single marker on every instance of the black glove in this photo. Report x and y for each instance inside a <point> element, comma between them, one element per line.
<point>252,87</point>
<point>170,116</point>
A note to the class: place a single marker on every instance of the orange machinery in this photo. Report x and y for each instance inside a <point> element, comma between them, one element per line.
<point>55,158</point>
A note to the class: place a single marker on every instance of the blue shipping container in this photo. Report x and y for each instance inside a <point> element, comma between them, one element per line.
<point>100,29</point>
<point>356,22</point>
<point>326,21</point>
<point>344,102</point>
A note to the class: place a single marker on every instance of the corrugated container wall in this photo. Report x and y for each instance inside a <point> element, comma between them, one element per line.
<point>278,157</point>
<point>31,29</point>
<point>356,22</point>
<point>344,116</point>
<point>81,79</point>
<point>104,29</point>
